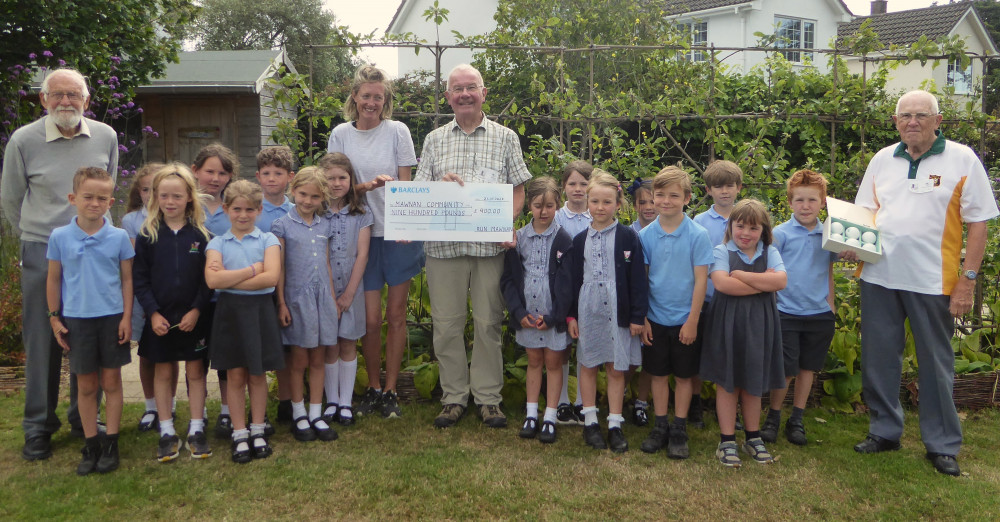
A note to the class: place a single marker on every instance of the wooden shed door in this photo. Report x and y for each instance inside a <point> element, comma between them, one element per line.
<point>192,124</point>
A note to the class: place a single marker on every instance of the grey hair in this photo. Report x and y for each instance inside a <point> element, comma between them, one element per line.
<point>73,74</point>
<point>464,67</point>
<point>922,94</point>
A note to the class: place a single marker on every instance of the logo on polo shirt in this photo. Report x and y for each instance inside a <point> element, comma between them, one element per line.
<point>194,247</point>
<point>936,179</point>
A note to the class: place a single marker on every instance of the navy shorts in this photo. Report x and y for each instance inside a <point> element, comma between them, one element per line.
<point>93,344</point>
<point>805,341</point>
<point>392,263</point>
<point>668,355</point>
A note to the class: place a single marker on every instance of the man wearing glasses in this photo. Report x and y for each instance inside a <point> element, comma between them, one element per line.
<point>922,191</point>
<point>469,148</point>
<point>38,167</point>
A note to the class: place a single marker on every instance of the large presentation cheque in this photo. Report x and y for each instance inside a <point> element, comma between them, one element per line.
<point>447,211</point>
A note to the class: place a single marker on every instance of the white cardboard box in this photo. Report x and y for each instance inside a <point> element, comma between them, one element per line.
<point>849,215</point>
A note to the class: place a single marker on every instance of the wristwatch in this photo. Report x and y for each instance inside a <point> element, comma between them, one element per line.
<point>970,275</point>
<point>56,313</point>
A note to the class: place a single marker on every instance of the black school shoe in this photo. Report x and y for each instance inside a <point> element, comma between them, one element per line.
<point>91,454</point>
<point>876,444</point>
<point>640,417</point>
<point>593,438</point>
<point>37,447</point>
<point>260,451</point>
<point>795,432</point>
<point>944,464</point>
<point>656,440</point>
<point>616,439</point>
<point>324,433</point>
<point>224,427</point>
<point>306,434</point>
<point>242,456</point>
<point>530,428</point>
<point>149,421</point>
<point>108,461</point>
<point>695,413</point>
<point>548,433</point>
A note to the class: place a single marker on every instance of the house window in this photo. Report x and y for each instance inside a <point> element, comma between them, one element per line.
<point>699,37</point>
<point>960,79</point>
<point>795,33</point>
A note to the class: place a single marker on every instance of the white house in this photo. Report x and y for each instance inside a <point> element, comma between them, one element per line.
<point>467,17</point>
<point>903,28</point>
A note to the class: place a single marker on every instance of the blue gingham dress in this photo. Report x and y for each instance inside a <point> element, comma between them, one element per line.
<point>307,281</point>
<point>534,250</point>
<point>132,223</point>
<point>343,253</point>
<point>601,339</point>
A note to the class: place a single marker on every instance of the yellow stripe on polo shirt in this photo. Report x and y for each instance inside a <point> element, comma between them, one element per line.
<point>951,240</point>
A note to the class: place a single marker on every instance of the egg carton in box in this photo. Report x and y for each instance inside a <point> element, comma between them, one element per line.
<point>850,227</point>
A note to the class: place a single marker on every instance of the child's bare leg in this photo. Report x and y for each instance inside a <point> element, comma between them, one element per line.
<point>195,371</point>
<point>86,391</point>
<point>395,337</point>
<point>645,385</point>
<point>235,385</point>
<point>616,389</point>
<point>348,351</point>
<point>660,387</point>
<point>111,383</point>
<point>371,343</point>
<point>147,374</point>
<point>533,379</point>
<point>317,373</point>
<point>588,386</point>
<point>682,397</point>
<point>258,397</point>
<point>777,397</point>
<point>803,385</point>
<point>751,410</point>
<point>300,361</point>
<point>162,385</point>
<point>725,409</point>
<point>553,367</point>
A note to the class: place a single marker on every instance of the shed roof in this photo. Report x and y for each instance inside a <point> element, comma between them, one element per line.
<point>219,71</point>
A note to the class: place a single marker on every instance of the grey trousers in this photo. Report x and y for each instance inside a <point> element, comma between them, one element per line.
<point>883,336</point>
<point>43,355</point>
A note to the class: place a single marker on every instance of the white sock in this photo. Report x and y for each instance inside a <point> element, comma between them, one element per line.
<point>642,405</point>
<point>240,437</point>
<point>167,427</point>
<point>151,404</point>
<point>590,415</point>
<point>204,412</point>
<point>564,393</point>
<point>257,429</point>
<point>331,382</point>
<point>615,420</point>
<point>196,425</point>
<point>532,410</point>
<point>579,396</point>
<point>550,415</point>
<point>348,373</point>
<point>173,405</point>
<point>315,411</point>
<point>224,410</point>
<point>298,411</point>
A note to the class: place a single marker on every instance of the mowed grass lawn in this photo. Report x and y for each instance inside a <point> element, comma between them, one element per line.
<point>406,469</point>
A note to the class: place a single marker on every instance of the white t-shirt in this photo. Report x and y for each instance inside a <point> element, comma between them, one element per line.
<point>920,219</point>
<point>381,150</point>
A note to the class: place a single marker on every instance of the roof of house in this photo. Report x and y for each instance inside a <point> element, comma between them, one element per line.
<point>906,27</point>
<point>219,71</point>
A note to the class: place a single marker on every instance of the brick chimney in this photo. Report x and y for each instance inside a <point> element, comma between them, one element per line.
<point>879,6</point>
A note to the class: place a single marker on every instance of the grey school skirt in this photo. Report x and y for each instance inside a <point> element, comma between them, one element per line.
<point>245,334</point>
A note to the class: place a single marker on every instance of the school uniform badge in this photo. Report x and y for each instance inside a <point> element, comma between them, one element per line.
<point>628,255</point>
<point>194,247</point>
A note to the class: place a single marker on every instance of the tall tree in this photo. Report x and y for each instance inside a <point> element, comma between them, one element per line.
<point>270,24</point>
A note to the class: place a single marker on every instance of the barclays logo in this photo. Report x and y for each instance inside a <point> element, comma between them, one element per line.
<point>410,190</point>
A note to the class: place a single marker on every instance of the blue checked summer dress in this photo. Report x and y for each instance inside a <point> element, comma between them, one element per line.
<point>535,249</point>
<point>343,253</point>
<point>601,339</point>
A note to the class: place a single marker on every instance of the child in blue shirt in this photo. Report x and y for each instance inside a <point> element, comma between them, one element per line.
<point>244,265</point>
<point>677,253</point>
<point>806,304</point>
<point>89,281</point>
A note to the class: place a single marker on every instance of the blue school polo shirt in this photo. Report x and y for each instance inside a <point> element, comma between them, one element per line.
<point>269,212</point>
<point>91,268</point>
<point>217,222</point>
<point>715,224</point>
<point>722,257</point>
<point>671,259</point>
<point>241,253</point>
<point>808,268</point>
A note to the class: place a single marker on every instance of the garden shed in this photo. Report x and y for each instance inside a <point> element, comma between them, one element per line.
<point>213,96</point>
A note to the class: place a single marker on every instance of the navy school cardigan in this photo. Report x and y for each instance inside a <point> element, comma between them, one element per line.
<point>512,283</point>
<point>630,275</point>
<point>180,258</point>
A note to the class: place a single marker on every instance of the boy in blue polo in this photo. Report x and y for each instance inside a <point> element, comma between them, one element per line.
<point>678,254</point>
<point>89,281</point>
<point>806,304</point>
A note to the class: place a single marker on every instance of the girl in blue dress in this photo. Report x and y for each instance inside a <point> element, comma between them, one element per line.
<point>351,221</point>
<point>536,286</point>
<point>610,274</point>
<point>306,308</point>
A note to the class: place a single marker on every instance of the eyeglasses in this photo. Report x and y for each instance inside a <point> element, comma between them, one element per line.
<point>459,89</point>
<point>57,96</point>
<point>920,116</point>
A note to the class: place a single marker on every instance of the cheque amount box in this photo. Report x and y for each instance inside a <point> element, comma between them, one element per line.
<point>849,227</point>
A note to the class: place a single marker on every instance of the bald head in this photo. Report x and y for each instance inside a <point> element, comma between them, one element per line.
<point>67,75</point>
<point>919,96</point>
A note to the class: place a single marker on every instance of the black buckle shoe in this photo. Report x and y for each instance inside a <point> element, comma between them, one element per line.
<point>592,436</point>
<point>616,439</point>
<point>109,456</point>
<point>37,447</point>
<point>876,444</point>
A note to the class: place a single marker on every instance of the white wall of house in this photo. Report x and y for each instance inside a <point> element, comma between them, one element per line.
<point>468,18</point>
<point>735,26</point>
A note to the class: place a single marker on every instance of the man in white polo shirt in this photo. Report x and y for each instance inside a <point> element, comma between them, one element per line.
<point>922,191</point>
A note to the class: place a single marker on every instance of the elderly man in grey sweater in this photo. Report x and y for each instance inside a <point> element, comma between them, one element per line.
<point>38,167</point>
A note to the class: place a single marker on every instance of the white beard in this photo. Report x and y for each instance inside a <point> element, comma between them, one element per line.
<point>67,119</point>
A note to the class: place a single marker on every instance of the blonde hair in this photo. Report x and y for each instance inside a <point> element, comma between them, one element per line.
<point>315,176</point>
<point>672,176</point>
<point>355,202</point>
<point>368,74</point>
<point>542,186</point>
<point>135,191</point>
<point>750,212</point>
<point>194,211</point>
<point>601,178</point>
<point>242,188</point>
